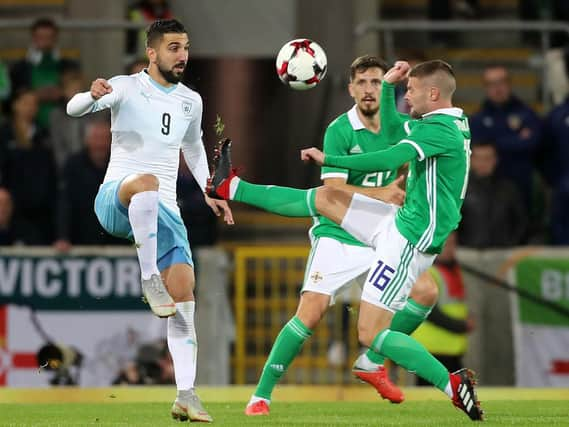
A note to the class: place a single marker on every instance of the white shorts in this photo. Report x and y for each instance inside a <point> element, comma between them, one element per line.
<point>333,267</point>
<point>397,263</point>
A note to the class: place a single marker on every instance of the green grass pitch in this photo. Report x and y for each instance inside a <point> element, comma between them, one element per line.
<point>146,407</point>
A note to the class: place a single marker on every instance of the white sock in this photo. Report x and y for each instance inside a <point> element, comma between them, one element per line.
<point>183,345</point>
<point>143,217</point>
<point>448,390</point>
<point>233,187</point>
<point>255,399</point>
<point>364,363</point>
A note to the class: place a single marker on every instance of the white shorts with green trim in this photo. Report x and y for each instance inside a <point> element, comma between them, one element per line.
<point>334,267</point>
<point>397,263</point>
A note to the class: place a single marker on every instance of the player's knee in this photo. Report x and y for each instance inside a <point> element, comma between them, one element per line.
<point>134,184</point>
<point>146,182</point>
<point>322,196</point>
<point>327,195</point>
<point>425,290</point>
<point>332,202</point>
<point>311,308</point>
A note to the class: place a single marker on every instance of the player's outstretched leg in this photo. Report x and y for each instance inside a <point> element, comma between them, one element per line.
<point>222,173</point>
<point>188,406</point>
<point>225,184</point>
<point>464,396</point>
<point>410,354</point>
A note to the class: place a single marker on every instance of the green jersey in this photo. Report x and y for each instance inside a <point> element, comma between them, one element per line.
<point>438,148</point>
<point>345,136</point>
<point>437,180</point>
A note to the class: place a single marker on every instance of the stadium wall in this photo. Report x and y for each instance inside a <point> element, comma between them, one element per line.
<point>80,298</point>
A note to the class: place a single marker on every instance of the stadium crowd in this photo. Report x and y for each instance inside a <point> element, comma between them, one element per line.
<point>51,165</point>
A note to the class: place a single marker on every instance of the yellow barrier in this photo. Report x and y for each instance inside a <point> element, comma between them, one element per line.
<point>268,280</point>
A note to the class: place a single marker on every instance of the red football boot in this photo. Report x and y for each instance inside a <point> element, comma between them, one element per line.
<point>258,408</point>
<point>380,381</point>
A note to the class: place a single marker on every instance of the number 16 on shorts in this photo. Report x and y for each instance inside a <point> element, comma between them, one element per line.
<point>381,276</point>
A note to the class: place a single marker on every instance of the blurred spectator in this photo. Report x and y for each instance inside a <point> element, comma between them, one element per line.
<point>43,68</point>
<point>556,167</point>
<point>146,11</point>
<point>444,333</point>
<point>152,365</point>
<point>129,375</point>
<point>493,214</point>
<point>5,86</point>
<point>66,132</point>
<point>136,66</point>
<point>513,126</point>
<point>559,213</point>
<point>6,210</point>
<point>556,143</point>
<point>200,221</point>
<point>83,174</point>
<point>28,171</point>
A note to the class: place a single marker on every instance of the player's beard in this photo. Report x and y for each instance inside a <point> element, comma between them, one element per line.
<point>414,114</point>
<point>369,112</point>
<point>171,76</point>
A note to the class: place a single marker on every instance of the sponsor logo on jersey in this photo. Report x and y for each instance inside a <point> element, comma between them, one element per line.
<point>316,277</point>
<point>356,149</point>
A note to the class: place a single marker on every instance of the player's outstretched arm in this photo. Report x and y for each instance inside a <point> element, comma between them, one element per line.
<point>82,103</point>
<point>391,120</point>
<point>382,160</point>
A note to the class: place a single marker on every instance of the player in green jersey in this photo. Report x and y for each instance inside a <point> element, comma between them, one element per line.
<point>407,239</point>
<point>337,259</point>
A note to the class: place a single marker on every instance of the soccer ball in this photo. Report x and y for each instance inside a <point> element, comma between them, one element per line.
<point>301,64</point>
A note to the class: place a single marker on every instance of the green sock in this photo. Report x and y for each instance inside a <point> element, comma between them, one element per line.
<point>286,347</point>
<point>410,354</point>
<point>280,200</point>
<point>407,321</point>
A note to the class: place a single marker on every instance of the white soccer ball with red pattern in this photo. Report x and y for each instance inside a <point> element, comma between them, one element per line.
<point>301,64</point>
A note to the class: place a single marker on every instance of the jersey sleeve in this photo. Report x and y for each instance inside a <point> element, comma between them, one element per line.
<point>113,99</point>
<point>83,103</point>
<point>334,144</point>
<point>392,121</point>
<point>193,148</point>
<point>429,139</point>
<point>383,160</point>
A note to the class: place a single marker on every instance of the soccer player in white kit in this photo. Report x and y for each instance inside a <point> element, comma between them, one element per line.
<point>153,116</point>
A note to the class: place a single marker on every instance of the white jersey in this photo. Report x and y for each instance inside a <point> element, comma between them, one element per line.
<point>149,125</point>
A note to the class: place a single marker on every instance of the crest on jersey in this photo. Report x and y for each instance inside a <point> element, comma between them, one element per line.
<point>186,108</point>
